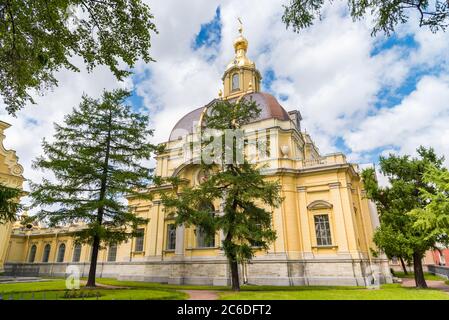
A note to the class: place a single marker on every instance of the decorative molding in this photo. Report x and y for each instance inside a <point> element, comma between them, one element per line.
<point>301,189</point>
<point>319,204</point>
<point>10,157</point>
<point>334,185</point>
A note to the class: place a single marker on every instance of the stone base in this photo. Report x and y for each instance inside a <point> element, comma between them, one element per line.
<point>279,272</point>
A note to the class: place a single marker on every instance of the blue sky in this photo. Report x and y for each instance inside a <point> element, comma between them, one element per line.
<point>362,95</point>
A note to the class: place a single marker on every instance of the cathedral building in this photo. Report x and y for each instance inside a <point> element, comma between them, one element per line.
<point>324,225</point>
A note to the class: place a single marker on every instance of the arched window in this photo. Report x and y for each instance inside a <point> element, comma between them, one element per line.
<point>77,252</point>
<point>32,254</point>
<point>171,236</point>
<point>235,82</point>
<point>46,254</point>
<point>112,252</point>
<point>203,239</point>
<point>61,253</point>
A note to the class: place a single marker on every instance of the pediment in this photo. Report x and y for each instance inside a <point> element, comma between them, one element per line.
<point>319,204</point>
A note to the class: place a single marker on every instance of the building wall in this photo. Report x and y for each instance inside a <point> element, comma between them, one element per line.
<point>311,185</point>
<point>10,176</point>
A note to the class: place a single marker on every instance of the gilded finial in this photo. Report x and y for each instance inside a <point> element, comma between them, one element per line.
<point>220,93</point>
<point>241,26</point>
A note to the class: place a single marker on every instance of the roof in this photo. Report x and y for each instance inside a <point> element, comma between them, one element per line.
<point>270,108</point>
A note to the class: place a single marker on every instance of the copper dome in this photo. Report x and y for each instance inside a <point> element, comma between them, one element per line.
<point>270,108</point>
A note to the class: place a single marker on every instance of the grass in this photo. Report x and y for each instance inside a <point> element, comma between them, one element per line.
<point>427,276</point>
<point>55,289</point>
<point>103,294</point>
<point>387,292</point>
<point>155,285</point>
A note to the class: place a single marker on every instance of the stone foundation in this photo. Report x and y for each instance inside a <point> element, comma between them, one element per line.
<point>332,272</point>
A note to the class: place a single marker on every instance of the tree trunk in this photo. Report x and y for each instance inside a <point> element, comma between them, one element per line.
<point>404,267</point>
<point>93,262</point>
<point>100,212</point>
<point>235,281</point>
<point>420,281</point>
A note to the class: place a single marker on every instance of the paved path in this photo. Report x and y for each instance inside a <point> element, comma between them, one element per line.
<point>201,294</point>
<point>434,284</point>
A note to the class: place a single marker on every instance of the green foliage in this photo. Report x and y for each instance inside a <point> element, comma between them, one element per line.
<point>38,38</point>
<point>9,203</point>
<point>434,218</point>
<point>245,196</point>
<point>96,162</point>
<point>387,14</point>
<point>401,204</point>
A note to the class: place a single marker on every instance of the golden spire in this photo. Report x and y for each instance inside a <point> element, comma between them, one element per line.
<point>241,75</point>
<point>240,44</point>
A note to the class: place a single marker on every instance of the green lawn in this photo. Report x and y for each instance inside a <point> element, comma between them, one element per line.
<point>387,292</point>
<point>411,275</point>
<point>55,289</point>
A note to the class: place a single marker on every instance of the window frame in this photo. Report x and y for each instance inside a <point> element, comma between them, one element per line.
<point>58,256</point>
<point>76,252</point>
<point>140,240</point>
<point>235,75</point>
<point>45,254</point>
<point>32,253</point>
<point>318,237</point>
<point>112,248</point>
<point>171,237</point>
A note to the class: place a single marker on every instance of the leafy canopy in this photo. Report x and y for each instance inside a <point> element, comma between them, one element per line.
<point>387,14</point>
<point>434,218</point>
<point>96,160</point>
<point>397,234</point>
<point>39,37</point>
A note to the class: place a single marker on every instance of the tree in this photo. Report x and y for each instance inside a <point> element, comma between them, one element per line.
<point>9,203</point>
<point>96,161</point>
<point>397,234</point>
<point>245,195</point>
<point>387,14</point>
<point>434,218</point>
<point>38,38</point>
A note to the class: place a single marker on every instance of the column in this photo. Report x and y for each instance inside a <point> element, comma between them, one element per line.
<point>339,218</point>
<point>179,245</point>
<point>304,223</point>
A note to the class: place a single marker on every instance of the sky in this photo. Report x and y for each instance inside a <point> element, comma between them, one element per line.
<point>362,95</point>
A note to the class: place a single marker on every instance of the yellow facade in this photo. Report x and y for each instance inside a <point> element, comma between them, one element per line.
<point>324,226</point>
<point>10,176</point>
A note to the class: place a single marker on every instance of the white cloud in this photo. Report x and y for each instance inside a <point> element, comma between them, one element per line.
<point>327,72</point>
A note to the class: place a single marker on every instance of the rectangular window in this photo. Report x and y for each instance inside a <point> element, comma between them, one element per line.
<point>171,237</point>
<point>112,253</point>
<point>322,229</point>
<point>138,247</point>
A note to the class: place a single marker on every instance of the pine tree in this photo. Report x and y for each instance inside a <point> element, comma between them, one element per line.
<point>245,195</point>
<point>96,159</point>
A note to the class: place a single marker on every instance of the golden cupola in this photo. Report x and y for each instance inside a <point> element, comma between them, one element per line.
<point>241,75</point>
